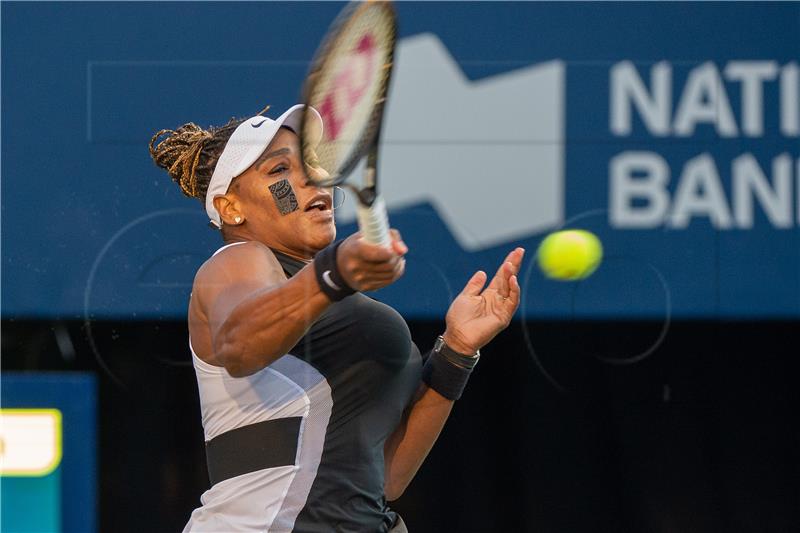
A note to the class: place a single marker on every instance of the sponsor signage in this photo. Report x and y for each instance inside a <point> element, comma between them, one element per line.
<point>677,144</point>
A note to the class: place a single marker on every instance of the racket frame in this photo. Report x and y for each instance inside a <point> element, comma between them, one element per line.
<point>370,139</point>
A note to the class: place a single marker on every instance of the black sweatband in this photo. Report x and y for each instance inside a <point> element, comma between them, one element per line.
<point>444,376</point>
<point>328,276</point>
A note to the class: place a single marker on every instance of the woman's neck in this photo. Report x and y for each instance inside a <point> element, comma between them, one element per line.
<point>289,253</point>
<point>243,236</point>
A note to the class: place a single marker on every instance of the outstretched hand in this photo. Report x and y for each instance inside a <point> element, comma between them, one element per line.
<point>478,313</point>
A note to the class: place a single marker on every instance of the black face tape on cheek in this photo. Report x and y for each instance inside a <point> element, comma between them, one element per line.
<point>284,196</point>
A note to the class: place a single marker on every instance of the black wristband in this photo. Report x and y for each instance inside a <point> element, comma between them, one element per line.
<point>328,276</point>
<point>444,376</point>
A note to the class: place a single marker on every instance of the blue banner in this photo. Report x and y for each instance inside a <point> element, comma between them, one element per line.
<point>671,130</point>
<point>48,438</point>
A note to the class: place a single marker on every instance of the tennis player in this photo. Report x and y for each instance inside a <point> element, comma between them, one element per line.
<point>317,407</point>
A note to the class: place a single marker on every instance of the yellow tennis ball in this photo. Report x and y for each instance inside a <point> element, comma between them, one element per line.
<point>570,254</point>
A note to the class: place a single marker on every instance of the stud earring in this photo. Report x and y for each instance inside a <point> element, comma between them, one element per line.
<point>238,220</point>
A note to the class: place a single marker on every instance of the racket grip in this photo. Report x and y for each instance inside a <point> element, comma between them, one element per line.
<point>374,222</point>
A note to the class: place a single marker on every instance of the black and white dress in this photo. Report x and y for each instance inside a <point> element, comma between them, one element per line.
<point>298,446</point>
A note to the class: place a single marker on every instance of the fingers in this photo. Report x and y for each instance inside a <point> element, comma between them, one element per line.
<point>398,245</point>
<point>499,282</point>
<point>399,269</point>
<point>384,267</point>
<point>515,257</point>
<point>507,272</point>
<point>374,280</point>
<point>504,306</point>
<point>375,253</point>
<point>475,284</point>
<point>509,267</point>
<point>513,293</point>
<point>367,266</point>
<point>509,304</point>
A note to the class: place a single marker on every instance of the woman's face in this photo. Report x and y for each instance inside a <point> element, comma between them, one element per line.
<point>301,232</point>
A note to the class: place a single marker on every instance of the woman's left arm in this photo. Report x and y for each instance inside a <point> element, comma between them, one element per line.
<point>474,318</point>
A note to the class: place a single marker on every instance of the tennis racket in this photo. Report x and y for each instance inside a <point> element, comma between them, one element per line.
<point>348,84</point>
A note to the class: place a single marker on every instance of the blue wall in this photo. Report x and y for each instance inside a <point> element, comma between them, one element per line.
<point>92,228</point>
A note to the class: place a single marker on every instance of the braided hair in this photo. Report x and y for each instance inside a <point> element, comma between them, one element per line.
<point>190,153</point>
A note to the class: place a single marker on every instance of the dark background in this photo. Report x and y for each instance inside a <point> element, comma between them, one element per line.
<point>702,435</point>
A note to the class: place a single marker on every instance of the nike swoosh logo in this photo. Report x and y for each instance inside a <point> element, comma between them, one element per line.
<point>259,124</point>
<point>327,277</point>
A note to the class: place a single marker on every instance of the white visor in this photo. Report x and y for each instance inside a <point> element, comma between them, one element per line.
<point>248,142</point>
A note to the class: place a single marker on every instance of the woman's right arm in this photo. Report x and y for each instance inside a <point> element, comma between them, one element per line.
<point>256,315</point>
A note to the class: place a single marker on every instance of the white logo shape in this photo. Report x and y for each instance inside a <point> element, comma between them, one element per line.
<point>488,154</point>
<point>327,277</point>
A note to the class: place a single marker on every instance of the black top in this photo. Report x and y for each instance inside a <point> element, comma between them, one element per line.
<point>363,348</point>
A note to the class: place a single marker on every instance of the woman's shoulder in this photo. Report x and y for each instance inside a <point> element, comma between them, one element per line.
<point>238,257</point>
<point>248,263</point>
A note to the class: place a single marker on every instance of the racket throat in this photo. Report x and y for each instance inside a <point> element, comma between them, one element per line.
<point>366,196</point>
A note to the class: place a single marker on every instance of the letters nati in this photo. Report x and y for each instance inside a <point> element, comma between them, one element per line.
<point>640,195</point>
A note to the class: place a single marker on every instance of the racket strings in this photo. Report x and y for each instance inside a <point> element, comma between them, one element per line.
<point>349,86</point>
